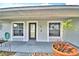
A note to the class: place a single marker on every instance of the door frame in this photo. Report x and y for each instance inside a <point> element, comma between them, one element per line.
<point>30,24</point>
<point>36,29</point>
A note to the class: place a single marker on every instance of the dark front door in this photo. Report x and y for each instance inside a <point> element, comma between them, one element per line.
<point>32,31</point>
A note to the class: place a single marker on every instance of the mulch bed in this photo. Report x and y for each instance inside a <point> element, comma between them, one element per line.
<point>6,53</point>
<point>45,54</point>
<point>61,48</point>
<point>78,54</point>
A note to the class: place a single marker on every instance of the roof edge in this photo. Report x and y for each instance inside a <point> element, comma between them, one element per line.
<point>45,6</point>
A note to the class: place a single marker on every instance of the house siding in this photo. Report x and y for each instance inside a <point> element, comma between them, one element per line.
<point>72,35</point>
<point>42,31</point>
<point>6,27</point>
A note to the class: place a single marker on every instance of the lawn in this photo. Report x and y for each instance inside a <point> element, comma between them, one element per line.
<point>6,53</point>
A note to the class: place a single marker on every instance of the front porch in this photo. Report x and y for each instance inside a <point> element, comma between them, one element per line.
<point>28,47</point>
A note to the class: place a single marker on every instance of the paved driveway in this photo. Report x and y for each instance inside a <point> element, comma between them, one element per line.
<point>28,47</point>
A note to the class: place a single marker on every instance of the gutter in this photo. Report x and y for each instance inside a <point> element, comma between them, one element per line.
<point>40,7</point>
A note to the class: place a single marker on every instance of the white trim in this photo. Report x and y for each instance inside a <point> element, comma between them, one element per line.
<point>36,29</point>
<point>11,32</point>
<point>23,37</point>
<point>61,30</point>
<point>37,8</point>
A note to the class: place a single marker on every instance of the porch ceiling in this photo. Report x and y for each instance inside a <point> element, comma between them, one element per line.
<point>39,14</point>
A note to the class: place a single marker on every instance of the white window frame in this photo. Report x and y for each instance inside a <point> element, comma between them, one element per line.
<point>12,29</point>
<point>61,30</point>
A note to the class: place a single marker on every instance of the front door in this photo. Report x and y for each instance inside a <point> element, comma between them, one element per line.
<point>32,31</point>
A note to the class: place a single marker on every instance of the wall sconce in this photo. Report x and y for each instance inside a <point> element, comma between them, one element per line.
<point>40,28</point>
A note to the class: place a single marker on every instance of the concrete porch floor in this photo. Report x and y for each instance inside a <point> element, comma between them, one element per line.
<point>28,47</point>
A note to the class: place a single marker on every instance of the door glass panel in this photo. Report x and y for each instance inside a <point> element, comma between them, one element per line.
<point>32,30</point>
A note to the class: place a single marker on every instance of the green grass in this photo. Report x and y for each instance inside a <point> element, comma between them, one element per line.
<point>6,53</point>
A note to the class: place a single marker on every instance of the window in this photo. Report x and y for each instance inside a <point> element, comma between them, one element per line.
<point>54,29</point>
<point>18,29</point>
